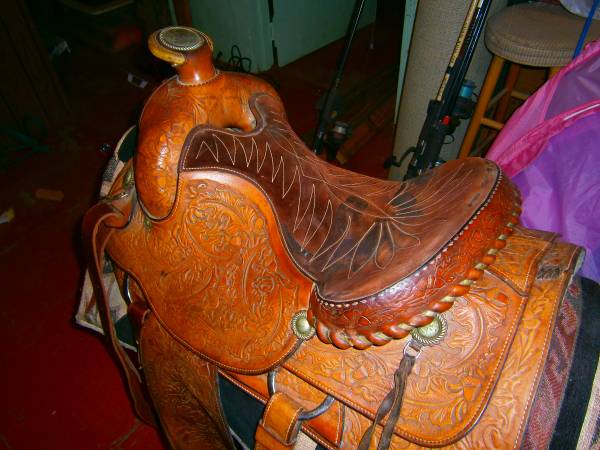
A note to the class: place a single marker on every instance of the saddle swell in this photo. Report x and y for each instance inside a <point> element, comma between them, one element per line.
<point>198,94</point>
<point>384,256</point>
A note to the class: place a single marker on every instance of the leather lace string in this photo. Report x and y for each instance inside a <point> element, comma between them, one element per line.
<point>392,403</point>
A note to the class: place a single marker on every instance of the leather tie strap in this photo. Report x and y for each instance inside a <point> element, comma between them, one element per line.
<point>280,424</point>
<point>95,237</point>
<point>392,403</point>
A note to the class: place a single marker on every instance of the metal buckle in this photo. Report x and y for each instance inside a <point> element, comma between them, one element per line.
<point>413,349</point>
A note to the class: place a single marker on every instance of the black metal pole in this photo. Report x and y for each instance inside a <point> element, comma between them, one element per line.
<point>325,117</point>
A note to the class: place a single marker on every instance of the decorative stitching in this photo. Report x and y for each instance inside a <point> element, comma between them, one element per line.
<point>216,74</point>
<point>405,326</point>
<point>288,143</point>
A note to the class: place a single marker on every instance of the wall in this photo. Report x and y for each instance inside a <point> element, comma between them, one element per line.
<point>244,23</point>
<point>299,26</point>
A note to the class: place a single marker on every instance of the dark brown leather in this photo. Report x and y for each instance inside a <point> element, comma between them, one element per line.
<point>354,235</point>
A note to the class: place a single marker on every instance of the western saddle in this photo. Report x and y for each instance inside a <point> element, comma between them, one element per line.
<point>235,245</point>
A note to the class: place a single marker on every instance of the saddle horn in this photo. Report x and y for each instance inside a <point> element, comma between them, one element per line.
<point>188,50</point>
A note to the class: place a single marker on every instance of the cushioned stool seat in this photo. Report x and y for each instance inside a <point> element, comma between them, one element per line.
<point>537,34</point>
<point>530,34</point>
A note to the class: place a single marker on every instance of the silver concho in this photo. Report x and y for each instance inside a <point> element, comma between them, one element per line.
<point>432,333</point>
<point>181,39</point>
<point>302,327</point>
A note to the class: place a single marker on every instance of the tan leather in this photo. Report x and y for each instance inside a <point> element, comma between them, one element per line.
<point>471,412</point>
<point>553,262</point>
<point>506,408</point>
<point>462,370</point>
<point>503,422</point>
<point>218,98</point>
<point>518,262</point>
<point>184,389</point>
<point>279,426</point>
<point>228,233</point>
<point>227,285</point>
<point>325,428</point>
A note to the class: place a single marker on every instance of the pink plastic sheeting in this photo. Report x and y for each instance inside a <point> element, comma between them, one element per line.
<point>550,147</point>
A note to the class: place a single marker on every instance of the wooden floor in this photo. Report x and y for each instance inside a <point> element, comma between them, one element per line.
<point>59,388</point>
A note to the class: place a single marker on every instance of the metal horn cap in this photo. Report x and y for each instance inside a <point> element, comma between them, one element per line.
<point>181,39</point>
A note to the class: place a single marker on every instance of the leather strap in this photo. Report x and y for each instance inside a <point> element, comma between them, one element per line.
<point>392,403</point>
<point>279,427</point>
<point>95,237</point>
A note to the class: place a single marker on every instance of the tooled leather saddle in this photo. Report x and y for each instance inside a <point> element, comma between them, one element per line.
<point>363,312</point>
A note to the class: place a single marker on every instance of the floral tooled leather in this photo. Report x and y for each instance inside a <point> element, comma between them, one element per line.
<point>471,391</point>
<point>451,383</point>
<point>463,393</point>
<point>213,274</point>
<point>184,390</point>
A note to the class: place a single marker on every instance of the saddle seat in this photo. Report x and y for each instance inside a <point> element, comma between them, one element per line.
<point>383,257</point>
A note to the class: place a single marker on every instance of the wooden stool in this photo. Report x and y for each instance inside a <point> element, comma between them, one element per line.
<point>536,34</point>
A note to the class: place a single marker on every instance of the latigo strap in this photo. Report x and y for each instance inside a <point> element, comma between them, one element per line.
<point>392,403</point>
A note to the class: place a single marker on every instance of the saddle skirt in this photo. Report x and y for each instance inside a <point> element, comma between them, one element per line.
<point>235,245</point>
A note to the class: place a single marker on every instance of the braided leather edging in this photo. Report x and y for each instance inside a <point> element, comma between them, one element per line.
<point>388,332</point>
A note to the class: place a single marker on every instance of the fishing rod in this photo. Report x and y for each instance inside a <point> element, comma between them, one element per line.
<point>439,119</point>
<point>325,117</point>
